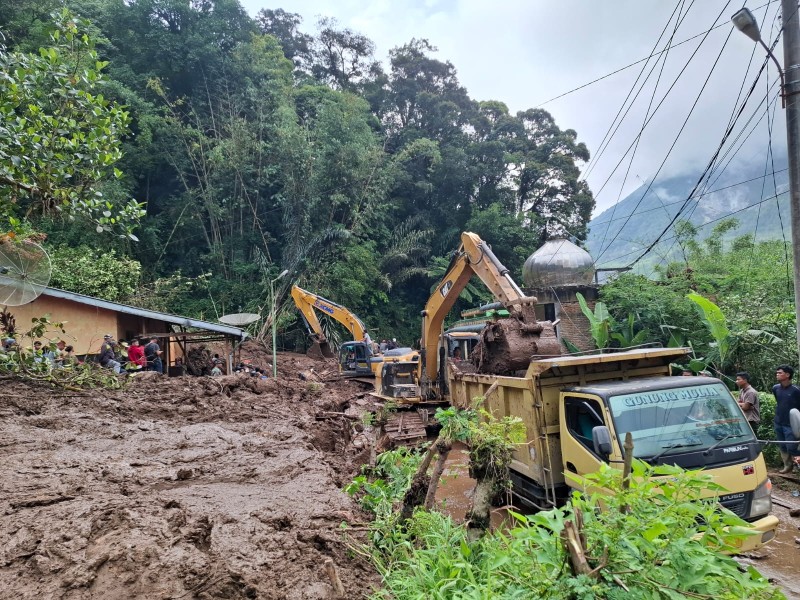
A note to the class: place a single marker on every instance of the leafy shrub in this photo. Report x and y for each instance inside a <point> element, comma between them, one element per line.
<point>765,430</point>
<point>84,270</point>
<point>378,488</point>
<point>657,539</point>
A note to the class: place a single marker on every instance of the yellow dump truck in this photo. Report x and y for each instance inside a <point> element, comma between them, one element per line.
<point>577,410</point>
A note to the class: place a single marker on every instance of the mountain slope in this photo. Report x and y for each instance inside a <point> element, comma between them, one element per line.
<point>618,235</point>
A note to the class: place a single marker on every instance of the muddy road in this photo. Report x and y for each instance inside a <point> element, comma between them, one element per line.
<point>179,488</point>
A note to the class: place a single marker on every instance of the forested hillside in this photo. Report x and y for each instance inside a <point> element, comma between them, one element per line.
<point>263,144</point>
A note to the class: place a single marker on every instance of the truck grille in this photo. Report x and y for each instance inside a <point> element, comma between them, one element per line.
<point>738,504</point>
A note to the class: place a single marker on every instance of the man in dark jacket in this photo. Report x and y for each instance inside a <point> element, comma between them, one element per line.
<point>108,355</point>
<point>152,352</point>
<point>787,397</point>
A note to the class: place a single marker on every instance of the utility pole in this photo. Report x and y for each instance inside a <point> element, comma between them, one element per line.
<point>791,93</point>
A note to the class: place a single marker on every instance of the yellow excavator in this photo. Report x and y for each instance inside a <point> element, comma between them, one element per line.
<point>510,341</point>
<point>358,357</point>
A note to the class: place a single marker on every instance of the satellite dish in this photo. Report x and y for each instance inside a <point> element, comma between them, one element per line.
<point>24,272</point>
<point>239,319</point>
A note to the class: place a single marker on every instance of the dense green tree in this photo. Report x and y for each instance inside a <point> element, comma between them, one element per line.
<point>341,57</point>
<point>59,136</point>
<point>284,26</point>
<point>259,147</point>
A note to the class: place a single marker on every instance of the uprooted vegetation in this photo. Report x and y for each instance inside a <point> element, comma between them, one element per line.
<point>653,539</point>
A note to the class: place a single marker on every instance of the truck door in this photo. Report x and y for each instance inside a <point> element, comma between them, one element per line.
<point>579,415</point>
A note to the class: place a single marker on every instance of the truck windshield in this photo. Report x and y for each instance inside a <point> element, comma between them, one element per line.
<point>669,421</point>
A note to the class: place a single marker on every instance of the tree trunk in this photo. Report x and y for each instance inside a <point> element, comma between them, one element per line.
<point>443,448</point>
<point>478,517</point>
<point>415,496</point>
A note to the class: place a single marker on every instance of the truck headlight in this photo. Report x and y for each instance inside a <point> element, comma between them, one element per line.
<point>762,500</point>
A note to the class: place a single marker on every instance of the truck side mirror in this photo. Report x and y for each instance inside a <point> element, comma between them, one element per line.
<point>794,421</point>
<point>602,440</point>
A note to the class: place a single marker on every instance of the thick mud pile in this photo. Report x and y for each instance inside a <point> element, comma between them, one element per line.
<point>179,488</point>
<point>507,346</point>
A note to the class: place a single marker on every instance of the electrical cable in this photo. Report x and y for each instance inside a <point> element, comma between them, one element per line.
<point>730,214</point>
<point>758,215</point>
<point>710,164</point>
<point>633,64</point>
<point>601,148</point>
<point>741,88</point>
<point>709,192</point>
<point>733,150</point>
<point>713,159</point>
<point>644,123</point>
<point>663,99</point>
<point>677,137</point>
<point>732,156</point>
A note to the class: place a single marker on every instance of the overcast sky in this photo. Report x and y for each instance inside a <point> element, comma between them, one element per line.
<point>524,52</point>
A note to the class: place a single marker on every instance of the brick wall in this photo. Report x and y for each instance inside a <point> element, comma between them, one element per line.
<point>574,326</point>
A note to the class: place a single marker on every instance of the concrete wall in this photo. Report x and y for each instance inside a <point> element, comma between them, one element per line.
<point>86,325</point>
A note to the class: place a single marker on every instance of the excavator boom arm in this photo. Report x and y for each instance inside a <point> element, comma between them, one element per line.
<point>474,257</point>
<point>308,303</point>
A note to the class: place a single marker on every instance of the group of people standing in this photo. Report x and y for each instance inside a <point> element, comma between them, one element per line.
<point>134,356</point>
<point>787,397</point>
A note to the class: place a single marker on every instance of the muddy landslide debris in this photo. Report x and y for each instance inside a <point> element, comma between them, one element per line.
<point>180,488</point>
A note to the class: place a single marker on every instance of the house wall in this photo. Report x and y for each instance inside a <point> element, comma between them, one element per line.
<point>85,325</point>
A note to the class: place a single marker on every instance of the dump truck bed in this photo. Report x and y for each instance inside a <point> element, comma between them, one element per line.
<point>534,397</point>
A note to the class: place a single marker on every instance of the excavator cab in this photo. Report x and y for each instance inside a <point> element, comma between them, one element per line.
<point>400,379</point>
<point>355,359</point>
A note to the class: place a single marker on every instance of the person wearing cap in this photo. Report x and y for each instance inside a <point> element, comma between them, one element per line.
<point>108,357</point>
<point>217,370</point>
<point>152,352</point>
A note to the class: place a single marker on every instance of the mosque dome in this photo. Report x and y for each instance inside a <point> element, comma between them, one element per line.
<point>558,262</point>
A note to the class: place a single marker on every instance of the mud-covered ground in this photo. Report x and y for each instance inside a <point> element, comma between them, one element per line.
<point>205,488</point>
<point>180,488</point>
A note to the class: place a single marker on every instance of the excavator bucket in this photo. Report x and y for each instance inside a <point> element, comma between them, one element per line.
<point>320,350</point>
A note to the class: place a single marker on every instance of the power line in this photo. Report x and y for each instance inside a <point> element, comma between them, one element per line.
<point>683,126</point>
<point>644,123</point>
<point>709,165</point>
<point>633,64</point>
<point>766,112</point>
<point>706,193</point>
<point>606,139</point>
<point>730,214</point>
<point>733,150</point>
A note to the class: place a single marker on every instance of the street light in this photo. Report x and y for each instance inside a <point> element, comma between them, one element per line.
<point>284,273</point>
<point>745,22</point>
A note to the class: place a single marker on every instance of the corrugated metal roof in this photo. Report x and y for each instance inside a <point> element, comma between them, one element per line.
<point>147,314</point>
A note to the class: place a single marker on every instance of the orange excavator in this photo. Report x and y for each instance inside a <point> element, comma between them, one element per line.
<point>506,345</point>
<point>358,357</point>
